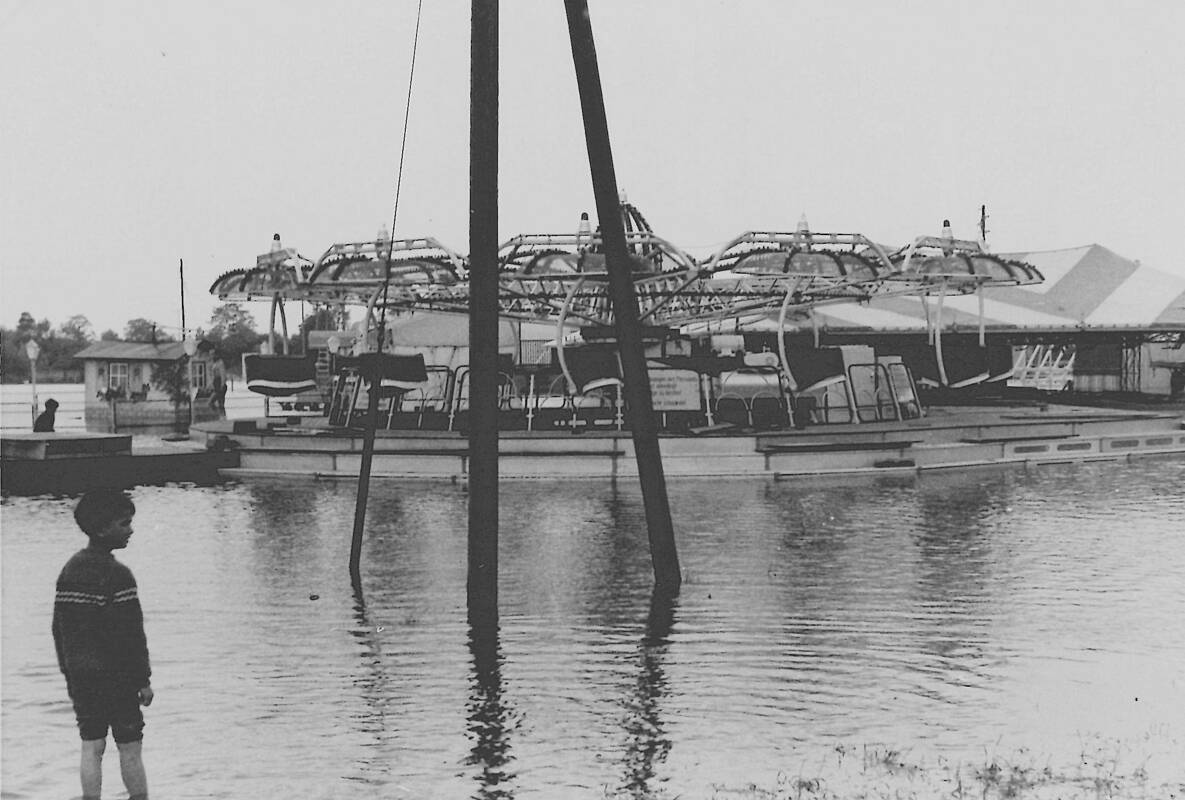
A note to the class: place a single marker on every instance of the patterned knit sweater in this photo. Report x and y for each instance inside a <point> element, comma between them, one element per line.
<point>98,625</point>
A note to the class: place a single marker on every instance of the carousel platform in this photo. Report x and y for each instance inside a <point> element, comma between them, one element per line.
<point>944,439</point>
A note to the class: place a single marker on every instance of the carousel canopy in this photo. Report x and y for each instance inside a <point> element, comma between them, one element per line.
<point>1087,288</point>
<point>563,278</point>
<point>282,270</point>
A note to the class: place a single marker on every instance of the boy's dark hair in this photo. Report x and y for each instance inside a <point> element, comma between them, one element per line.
<point>100,507</point>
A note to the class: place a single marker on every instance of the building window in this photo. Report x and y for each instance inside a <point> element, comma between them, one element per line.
<point>117,376</point>
<point>200,375</point>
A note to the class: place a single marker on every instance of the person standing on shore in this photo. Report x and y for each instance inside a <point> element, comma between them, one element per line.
<point>98,632</point>
<point>46,419</point>
<point>218,395</point>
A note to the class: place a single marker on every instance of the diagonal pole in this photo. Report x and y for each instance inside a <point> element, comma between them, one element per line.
<point>643,426</point>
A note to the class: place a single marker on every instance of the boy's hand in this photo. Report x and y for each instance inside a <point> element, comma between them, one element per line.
<point>146,696</point>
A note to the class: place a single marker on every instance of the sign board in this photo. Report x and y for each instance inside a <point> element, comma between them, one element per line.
<point>675,390</point>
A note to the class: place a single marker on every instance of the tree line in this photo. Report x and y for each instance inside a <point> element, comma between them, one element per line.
<point>231,330</point>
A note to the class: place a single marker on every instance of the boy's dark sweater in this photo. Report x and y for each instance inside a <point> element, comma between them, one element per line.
<point>98,625</point>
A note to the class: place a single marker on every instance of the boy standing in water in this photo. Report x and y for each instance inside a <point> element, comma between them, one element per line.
<point>98,631</point>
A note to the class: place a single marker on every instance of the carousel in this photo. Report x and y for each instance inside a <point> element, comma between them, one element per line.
<point>826,399</point>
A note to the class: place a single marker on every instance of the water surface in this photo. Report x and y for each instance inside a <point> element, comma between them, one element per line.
<point>949,617</point>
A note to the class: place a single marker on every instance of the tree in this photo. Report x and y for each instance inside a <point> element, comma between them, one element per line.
<point>230,319</point>
<point>325,318</point>
<point>12,355</point>
<point>15,360</point>
<point>27,328</point>
<point>72,335</point>
<point>77,330</point>
<point>24,327</point>
<point>109,336</point>
<point>232,330</point>
<point>145,330</point>
<point>172,378</point>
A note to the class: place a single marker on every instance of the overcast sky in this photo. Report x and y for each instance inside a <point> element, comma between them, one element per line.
<point>137,134</point>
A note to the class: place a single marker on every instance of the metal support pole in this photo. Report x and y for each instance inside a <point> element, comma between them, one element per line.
<point>667,575</point>
<point>482,586</point>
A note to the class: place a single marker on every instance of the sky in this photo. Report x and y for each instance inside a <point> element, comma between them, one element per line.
<point>138,136</point>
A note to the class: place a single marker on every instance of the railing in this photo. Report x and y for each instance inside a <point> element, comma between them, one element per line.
<point>873,394</point>
<point>537,399</point>
<point>1047,367</point>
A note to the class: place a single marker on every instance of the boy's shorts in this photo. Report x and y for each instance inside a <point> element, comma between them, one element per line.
<point>103,701</point>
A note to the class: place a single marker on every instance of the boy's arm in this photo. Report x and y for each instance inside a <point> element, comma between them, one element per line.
<point>133,642</point>
<point>76,617</point>
<point>58,646</point>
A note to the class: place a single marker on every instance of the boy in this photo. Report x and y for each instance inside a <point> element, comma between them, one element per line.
<point>46,419</point>
<point>98,631</point>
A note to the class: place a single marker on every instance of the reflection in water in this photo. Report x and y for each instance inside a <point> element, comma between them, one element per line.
<point>489,720</point>
<point>648,744</point>
<point>956,567</point>
<point>374,685</point>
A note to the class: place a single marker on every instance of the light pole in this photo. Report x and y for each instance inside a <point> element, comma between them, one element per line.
<point>32,350</point>
<point>190,346</point>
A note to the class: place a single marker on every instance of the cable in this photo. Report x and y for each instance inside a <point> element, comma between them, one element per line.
<point>382,332</point>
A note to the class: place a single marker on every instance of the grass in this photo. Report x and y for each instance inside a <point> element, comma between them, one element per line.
<point>1103,770</point>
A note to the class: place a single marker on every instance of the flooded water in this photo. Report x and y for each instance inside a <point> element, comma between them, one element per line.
<point>824,631</point>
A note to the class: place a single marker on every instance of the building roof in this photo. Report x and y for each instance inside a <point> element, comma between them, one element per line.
<point>136,351</point>
<point>1085,288</point>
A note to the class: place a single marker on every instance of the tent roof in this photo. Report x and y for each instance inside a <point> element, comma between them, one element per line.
<point>426,329</point>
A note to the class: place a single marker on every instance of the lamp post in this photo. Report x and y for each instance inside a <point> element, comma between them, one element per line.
<point>32,350</point>
<point>190,346</point>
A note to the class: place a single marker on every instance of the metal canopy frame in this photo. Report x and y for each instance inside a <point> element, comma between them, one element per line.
<point>562,278</point>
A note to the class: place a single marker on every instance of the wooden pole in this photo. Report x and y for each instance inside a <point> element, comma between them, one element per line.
<point>371,368</point>
<point>482,586</point>
<point>663,553</point>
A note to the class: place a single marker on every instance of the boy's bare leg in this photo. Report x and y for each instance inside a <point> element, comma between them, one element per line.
<point>91,768</point>
<point>131,767</point>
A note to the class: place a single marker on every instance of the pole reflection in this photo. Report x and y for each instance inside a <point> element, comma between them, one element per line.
<point>489,717</point>
<point>648,744</point>
<point>374,685</point>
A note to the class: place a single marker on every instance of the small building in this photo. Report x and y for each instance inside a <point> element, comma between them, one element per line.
<point>131,384</point>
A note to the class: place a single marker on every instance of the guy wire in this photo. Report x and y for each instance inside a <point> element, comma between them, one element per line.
<point>411,74</point>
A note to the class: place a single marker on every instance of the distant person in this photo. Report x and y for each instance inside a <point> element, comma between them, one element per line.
<point>218,396</point>
<point>45,420</point>
<point>98,632</point>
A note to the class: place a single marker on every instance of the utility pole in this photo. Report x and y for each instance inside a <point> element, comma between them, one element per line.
<point>482,585</point>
